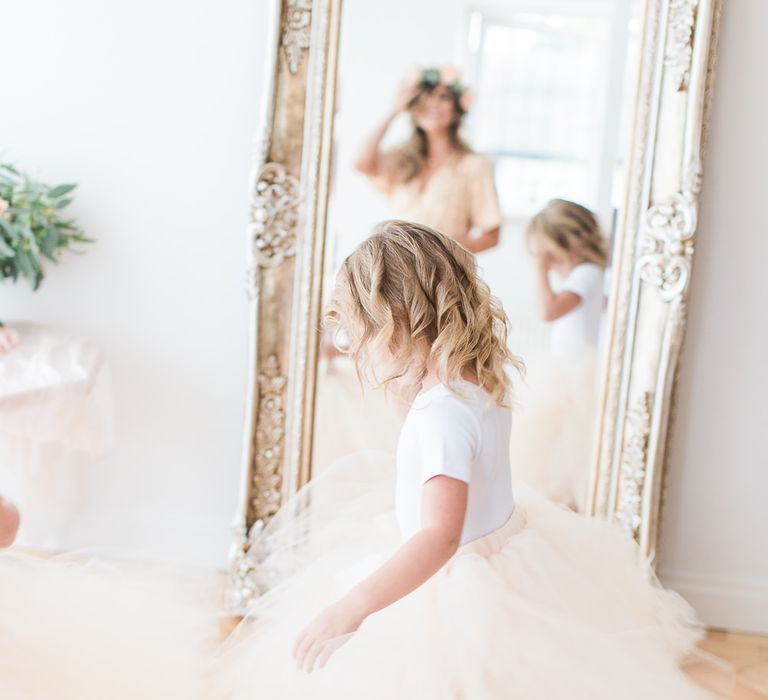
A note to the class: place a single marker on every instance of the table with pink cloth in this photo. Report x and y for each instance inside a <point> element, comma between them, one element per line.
<point>55,422</point>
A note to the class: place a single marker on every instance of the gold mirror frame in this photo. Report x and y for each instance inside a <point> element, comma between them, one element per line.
<point>653,257</point>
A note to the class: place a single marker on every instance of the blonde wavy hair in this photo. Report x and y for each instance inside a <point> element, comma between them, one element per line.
<point>571,228</point>
<point>414,296</point>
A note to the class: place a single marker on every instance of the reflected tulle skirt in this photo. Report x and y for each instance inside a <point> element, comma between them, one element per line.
<point>552,605</point>
<point>554,429</point>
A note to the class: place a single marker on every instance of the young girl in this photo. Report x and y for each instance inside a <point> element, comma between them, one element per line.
<point>490,593</point>
<point>552,440</point>
<point>478,593</point>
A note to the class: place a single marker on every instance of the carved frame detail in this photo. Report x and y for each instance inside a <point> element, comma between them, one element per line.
<point>654,256</point>
<point>284,250</point>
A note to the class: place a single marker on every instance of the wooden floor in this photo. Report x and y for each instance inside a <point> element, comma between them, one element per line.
<point>745,672</point>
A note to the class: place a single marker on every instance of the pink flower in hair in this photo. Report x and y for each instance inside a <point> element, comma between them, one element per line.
<point>466,100</point>
<point>449,75</point>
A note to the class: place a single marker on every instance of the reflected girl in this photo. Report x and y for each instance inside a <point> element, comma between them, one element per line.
<point>554,428</point>
<point>571,256</point>
<point>435,178</point>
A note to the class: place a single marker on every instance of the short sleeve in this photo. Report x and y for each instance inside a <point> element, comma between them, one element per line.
<point>448,441</point>
<point>583,280</point>
<point>485,213</point>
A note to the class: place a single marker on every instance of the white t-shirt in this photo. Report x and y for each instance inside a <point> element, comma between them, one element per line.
<point>576,333</point>
<point>465,437</point>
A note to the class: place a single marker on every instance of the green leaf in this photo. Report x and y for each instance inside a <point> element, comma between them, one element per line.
<point>49,243</point>
<point>24,265</point>
<point>25,229</point>
<point>9,230</point>
<point>31,231</point>
<point>60,190</point>
<point>35,262</point>
<point>5,250</point>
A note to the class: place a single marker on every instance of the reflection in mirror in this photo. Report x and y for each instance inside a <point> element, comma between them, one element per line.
<point>504,126</point>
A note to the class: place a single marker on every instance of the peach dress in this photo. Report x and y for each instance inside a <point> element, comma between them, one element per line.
<point>459,197</point>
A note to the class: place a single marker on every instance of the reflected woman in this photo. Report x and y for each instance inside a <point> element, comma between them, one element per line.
<point>435,178</point>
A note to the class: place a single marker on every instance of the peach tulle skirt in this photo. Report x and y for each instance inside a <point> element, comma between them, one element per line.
<point>553,429</point>
<point>551,606</point>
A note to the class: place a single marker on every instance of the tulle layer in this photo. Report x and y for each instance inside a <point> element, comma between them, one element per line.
<point>554,428</point>
<point>553,605</point>
<point>75,628</point>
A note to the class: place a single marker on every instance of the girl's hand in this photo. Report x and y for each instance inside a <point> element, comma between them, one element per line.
<point>329,630</point>
<point>444,503</point>
<point>544,262</point>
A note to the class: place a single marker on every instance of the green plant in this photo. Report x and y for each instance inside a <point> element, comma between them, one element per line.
<point>32,226</point>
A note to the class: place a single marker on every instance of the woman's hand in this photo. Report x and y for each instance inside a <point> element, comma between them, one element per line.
<point>485,240</point>
<point>407,91</point>
<point>329,630</point>
<point>368,161</point>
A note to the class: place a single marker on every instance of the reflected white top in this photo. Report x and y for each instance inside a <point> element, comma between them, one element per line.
<point>576,333</point>
<point>466,438</point>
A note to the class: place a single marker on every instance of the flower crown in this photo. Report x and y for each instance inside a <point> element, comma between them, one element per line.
<point>448,76</point>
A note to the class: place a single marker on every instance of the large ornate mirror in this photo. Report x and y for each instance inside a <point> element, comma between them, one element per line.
<point>561,142</point>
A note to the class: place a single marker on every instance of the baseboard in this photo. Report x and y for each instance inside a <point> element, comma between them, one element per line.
<point>723,603</point>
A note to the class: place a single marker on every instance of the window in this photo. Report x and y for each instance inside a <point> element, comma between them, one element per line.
<point>540,78</point>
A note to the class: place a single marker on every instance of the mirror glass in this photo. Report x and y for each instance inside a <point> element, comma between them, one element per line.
<point>504,125</point>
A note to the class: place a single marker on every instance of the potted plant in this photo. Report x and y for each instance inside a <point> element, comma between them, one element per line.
<point>32,228</point>
<point>32,225</point>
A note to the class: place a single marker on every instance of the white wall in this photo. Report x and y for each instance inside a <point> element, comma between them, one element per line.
<point>151,106</point>
<point>715,521</point>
